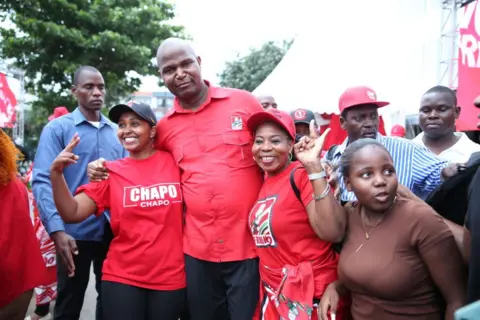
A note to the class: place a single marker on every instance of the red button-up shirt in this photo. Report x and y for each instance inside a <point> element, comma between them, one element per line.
<point>220,180</point>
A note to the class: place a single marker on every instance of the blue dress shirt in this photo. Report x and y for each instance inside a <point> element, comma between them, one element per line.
<point>101,142</point>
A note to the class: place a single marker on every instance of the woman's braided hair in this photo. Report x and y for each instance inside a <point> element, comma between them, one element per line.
<point>9,155</point>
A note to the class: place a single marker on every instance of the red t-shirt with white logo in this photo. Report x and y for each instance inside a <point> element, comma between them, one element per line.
<point>145,203</point>
<point>282,232</point>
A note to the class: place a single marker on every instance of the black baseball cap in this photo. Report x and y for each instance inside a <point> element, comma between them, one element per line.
<point>302,116</point>
<point>143,110</point>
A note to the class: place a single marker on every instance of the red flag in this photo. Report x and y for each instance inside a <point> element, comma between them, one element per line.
<point>7,104</point>
<point>468,66</point>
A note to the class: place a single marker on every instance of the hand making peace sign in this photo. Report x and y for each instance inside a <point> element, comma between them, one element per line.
<point>66,157</point>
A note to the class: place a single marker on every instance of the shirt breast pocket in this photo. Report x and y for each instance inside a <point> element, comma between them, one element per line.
<point>238,148</point>
<point>178,156</point>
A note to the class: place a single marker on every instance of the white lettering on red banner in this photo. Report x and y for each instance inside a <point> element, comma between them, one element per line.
<point>261,223</point>
<point>468,65</point>
<point>156,195</point>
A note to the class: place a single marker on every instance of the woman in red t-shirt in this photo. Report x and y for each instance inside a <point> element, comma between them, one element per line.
<point>293,236</point>
<point>143,274</point>
<point>21,266</point>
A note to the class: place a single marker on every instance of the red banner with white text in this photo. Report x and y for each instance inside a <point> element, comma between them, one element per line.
<point>7,104</point>
<point>468,65</point>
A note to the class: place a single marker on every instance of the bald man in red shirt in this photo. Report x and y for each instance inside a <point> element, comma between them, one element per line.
<point>206,133</point>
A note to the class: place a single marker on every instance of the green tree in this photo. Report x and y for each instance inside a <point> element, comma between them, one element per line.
<point>248,72</point>
<point>50,39</point>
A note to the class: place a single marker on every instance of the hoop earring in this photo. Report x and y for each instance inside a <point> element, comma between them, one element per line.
<point>290,156</point>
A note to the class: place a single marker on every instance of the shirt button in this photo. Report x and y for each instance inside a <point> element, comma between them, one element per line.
<point>220,241</point>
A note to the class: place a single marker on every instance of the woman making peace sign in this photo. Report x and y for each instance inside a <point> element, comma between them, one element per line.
<point>143,274</point>
<point>293,236</point>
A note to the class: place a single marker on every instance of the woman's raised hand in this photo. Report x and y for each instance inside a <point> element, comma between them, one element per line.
<point>66,157</point>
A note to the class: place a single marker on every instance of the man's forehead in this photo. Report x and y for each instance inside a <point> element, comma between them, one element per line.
<point>266,98</point>
<point>90,77</point>
<point>175,58</point>
<point>436,99</point>
<point>363,109</point>
<point>174,51</point>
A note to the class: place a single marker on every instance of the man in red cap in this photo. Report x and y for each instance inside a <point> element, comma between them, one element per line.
<point>417,168</point>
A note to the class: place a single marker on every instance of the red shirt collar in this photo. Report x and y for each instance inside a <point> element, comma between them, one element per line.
<point>214,93</point>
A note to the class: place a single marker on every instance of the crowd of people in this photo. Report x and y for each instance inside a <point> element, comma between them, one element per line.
<point>229,208</point>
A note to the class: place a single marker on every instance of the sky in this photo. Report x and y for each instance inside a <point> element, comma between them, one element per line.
<point>221,29</point>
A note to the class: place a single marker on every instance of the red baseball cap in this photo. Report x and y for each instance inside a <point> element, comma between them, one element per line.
<point>58,112</point>
<point>398,131</point>
<point>281,118</point>
<point>355,96</point>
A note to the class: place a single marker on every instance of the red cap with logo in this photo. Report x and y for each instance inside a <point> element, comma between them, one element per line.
<point>355,96</point>
<point>281,118</point>
<point>302,116</point>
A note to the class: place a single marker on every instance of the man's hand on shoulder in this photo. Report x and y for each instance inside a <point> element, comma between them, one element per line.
<point>406,193</point>
<point>452,169</point>
<point>97,171</point>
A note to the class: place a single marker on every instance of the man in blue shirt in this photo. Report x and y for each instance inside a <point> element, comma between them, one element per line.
<point>417,168</point>
<point>77,245</point>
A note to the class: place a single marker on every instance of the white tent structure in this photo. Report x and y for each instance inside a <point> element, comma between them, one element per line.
<point>389,45</point>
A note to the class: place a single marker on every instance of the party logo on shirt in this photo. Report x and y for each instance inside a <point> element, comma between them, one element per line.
<point>157,195</point>
<point>237,123</point>
<point>261,223</point>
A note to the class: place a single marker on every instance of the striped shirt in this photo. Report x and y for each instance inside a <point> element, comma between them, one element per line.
<point>417,167</point>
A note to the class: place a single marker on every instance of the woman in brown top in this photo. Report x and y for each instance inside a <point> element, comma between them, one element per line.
<point>399,259</point>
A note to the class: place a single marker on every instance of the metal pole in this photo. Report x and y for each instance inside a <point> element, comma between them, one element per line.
<point>454,50</point>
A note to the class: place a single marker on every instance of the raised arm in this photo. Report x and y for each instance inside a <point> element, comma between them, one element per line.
<point>71,209</point>
<point>327,217</point>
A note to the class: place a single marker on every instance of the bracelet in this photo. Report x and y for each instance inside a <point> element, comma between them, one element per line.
<point>316,176</point>
<point>323,195</point>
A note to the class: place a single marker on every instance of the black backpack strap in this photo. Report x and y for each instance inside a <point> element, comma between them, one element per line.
<point>294,185</point>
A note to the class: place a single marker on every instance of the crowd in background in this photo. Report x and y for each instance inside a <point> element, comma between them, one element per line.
<point>229,208</point>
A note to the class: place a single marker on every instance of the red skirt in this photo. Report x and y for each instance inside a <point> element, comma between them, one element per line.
<point>22,267</point>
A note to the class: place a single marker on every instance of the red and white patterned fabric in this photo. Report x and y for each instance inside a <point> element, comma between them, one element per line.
<point>44,294</point>
<point>8,102</point>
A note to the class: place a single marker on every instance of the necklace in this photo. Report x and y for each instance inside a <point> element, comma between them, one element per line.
<point>367,233</point>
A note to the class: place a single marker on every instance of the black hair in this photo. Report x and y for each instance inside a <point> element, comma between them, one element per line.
<point>443,89</point>
<point>79,71</point>
<point>344,114</point>
<point>346,159</point>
